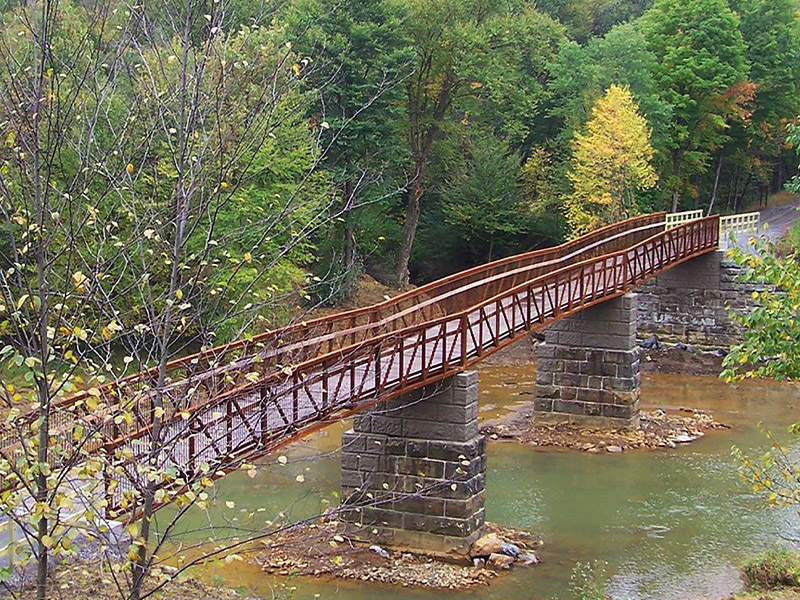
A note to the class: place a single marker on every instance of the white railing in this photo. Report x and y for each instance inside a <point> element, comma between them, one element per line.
<point>675,219</point>
<point>737,224</point>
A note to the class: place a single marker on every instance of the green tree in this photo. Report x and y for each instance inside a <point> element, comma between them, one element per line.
<point>793,137</point>
<point>700,54</point>
<point>770,328</point>
<point>607,14</point>
<point>582,74</point>
<point>483,196</point>
<point>360,60</point>
<point>471,59</point>
<point>611,162</point>
<point>575,15</point>
<point>769,349</point>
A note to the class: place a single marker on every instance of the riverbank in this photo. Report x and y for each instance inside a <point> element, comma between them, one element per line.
<point>657,357</point>
<point>318,550</point>
<point>90,580</point>
<point>786,594</point>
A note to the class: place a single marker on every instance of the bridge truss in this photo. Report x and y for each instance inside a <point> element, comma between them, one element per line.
<point>234,403</point>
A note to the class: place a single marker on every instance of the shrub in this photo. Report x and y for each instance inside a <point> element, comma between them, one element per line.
<point>779,567</point>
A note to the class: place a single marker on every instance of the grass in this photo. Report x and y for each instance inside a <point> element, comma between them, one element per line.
<point>774,569</point>
<point>784,594</point>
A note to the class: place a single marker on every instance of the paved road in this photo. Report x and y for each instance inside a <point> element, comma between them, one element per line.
<point>780,219</point>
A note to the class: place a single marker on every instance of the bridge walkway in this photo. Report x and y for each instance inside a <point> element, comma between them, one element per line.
<point>232,404</point>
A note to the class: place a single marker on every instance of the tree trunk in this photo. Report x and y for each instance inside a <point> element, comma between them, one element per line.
<point>676,168</point>
<point>409,231</point>
<point>41,493</point>
<point>716,183</point>
<point>349,250</point>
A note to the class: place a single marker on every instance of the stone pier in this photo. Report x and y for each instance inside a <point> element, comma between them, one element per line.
<point>414,470</point>
<point>588,367</point>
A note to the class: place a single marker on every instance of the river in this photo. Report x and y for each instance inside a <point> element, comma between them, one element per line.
<point>671,525</point>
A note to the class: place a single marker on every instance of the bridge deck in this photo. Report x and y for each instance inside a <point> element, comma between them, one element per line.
<point>234,403</point>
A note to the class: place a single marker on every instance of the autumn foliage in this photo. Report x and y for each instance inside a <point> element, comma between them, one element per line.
<point>611,162</point>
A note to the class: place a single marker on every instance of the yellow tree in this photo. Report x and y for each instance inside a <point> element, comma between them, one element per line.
<point>610,163</point>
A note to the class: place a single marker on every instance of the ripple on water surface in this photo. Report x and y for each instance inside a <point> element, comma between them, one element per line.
<point>671,525</point>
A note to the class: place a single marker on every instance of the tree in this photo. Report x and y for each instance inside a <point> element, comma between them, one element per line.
<point>771,32</point>
<point>793,137</point>
<point>576,15</point>
<point>769,349</point>
<point>468,57</point>
<point>359,62</point>
<point>582,74</point>
<point>700,54</point>
<point>610,13</point>
<point>770,328</point>
<point>483,197</point>
<point>159,188</point>
<point>57,80</point>
<point>611,162</point>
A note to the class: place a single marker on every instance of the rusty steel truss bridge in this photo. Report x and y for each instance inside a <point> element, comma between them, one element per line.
<point>232,404</point>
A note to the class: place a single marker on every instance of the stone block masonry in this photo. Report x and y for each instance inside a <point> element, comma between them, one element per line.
<point>414,470</point>
<point>691,303</point>
<point>589,367</point>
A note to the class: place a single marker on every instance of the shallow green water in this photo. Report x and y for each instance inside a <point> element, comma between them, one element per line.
<point>671,525</point>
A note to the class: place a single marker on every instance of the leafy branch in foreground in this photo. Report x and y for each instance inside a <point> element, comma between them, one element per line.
<point>770,328</point>
<point>769,349</point>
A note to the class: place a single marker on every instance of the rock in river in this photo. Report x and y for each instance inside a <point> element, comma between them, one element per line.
<point>500,561</point>
<point>486,545</point>
<point>511,550</point>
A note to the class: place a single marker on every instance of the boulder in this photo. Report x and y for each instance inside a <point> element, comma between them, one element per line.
<point>486,545</point>
<point>500,562</point>
<point>651,343</point>
<point>528,559</point>
<point>511,550</point>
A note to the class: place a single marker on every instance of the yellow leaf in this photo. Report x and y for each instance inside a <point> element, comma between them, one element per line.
<point>79,281</point>
<point>130,169</point>
<point>248,258</point>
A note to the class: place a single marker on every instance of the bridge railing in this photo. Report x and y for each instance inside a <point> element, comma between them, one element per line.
<point>675,219</point>
<point>256,418</point>
<point>209,374</point>
<point>737,225</point>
